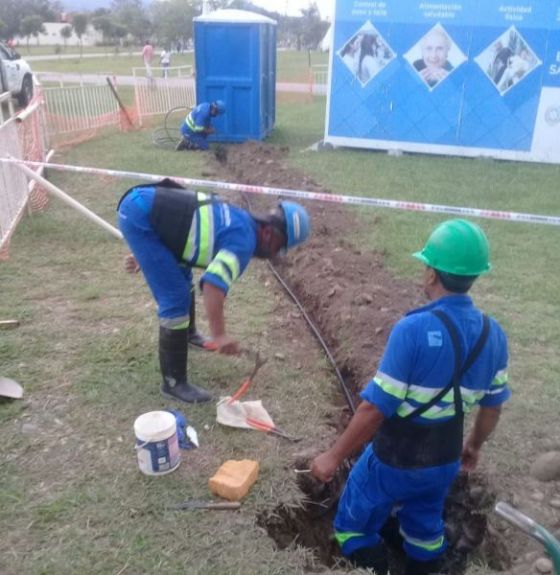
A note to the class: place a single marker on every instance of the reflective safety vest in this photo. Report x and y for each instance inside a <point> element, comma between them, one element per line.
<point>172,216</point>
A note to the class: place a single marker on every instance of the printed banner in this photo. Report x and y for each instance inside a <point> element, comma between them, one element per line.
<point>469,78</point>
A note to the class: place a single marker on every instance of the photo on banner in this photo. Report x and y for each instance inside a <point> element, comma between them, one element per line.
<point>366,53</point>
<point>435,56</point>
<point>508,60</point>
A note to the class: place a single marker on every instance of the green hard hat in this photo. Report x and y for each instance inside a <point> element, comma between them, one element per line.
<point>457,247</point>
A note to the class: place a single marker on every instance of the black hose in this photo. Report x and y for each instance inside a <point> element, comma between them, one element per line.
<point>317,334</point>
<point>314,329</point>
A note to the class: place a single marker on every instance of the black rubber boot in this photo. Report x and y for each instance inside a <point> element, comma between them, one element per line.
<point>181,145</point>
<point>195,337</point>
<point>173,364</point>
<point>415,567</point>
<point>371,558</point>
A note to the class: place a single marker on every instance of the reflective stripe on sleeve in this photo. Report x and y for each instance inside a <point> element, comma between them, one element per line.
<point>499,381</point>
<point>391,386</point>
<point>192,126</point>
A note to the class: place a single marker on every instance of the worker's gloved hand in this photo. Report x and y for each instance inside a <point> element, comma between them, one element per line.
<point>131,265</point>
<point>210,130</point>
<point>324,467</point>
<point>226,345</point>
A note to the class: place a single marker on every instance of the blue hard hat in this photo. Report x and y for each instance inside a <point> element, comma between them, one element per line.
<point>220,107</point>
<point>298,223</point>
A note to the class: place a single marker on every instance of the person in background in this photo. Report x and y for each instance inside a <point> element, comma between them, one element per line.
<point>198,125</point>
<point>171,230</point>
<point>147,55</point>
<point>434,65</point>
<point>165,61</point>
<point>441,360</point>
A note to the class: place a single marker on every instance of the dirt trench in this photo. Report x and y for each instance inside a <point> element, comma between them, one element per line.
<point>354,301</point>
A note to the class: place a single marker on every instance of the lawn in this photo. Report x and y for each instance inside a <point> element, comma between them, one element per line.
<point>72,499</point>
<point>292,66</point>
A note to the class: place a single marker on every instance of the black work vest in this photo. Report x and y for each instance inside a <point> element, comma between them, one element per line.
<point>172,213</point>
<point>402,443</point>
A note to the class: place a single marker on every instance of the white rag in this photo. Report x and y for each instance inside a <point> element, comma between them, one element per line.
<point>236,414</point>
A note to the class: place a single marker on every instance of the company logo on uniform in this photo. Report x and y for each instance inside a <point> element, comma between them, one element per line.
<point>435,339</point>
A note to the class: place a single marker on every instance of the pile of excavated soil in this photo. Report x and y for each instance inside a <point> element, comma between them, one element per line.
<point>354,301</point>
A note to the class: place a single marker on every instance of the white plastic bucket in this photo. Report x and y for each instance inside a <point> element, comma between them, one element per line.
<point>157,445</point>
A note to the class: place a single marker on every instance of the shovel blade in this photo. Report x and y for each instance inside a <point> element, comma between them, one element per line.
<point>10,388</point>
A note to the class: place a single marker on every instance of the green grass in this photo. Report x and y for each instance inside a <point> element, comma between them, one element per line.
<point>72,499</point>
<point>121,65</point>
<point>43,50</point>
<point>522,291</point>
<point>292,66</point>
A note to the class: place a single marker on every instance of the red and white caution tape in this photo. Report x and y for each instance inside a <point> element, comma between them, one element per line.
<point>300,194</point>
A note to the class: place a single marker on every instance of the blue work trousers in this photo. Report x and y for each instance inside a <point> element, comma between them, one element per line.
<point>374,490</point>
<point>169,280</point>
<point>199,139</point>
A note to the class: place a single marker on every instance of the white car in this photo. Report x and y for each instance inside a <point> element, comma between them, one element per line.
<point>16,76</point>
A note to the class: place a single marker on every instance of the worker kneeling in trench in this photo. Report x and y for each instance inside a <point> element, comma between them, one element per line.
<point>441,360</point>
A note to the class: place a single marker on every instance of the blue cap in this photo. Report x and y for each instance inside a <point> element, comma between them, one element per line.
<point>220,107</point>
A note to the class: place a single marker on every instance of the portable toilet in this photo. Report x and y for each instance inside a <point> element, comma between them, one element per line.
<point>235,61</point>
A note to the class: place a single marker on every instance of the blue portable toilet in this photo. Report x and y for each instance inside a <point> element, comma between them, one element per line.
<point>235,61</point>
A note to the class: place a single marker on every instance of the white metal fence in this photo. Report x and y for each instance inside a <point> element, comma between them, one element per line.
<point>22,136</point>
<point>319,78</point>
<point>71,109</point>
<point>160,89</point>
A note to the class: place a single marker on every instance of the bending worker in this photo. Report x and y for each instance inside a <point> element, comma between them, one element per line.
<point>198,125</point>
<point>441,360</point>
<point>170,230</point>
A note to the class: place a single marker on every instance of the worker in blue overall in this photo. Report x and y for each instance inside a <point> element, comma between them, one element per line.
<point>441,360</point>
<point>198,125</point>
<point>170,230</point>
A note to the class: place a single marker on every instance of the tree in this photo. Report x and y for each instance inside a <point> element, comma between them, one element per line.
<point>31,26</point>
<point>119,32</point>
<point>104,24</point>
<point>66,34</point>
<point>309,29</point>
<point>131,14</point>
<point>79,25</point>
<point>12,13</point>
<point>173,20</point>
<point>3,29</point>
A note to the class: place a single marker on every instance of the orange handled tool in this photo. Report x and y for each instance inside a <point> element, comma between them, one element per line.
<point>264,426</point>
<point>259,362</point>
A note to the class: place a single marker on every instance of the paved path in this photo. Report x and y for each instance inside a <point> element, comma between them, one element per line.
<point>61,77</point>
<point>43,57</point>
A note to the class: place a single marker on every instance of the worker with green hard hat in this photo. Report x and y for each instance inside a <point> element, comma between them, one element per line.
<point>441,361</point>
